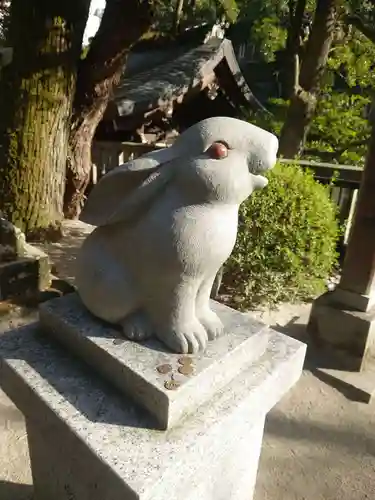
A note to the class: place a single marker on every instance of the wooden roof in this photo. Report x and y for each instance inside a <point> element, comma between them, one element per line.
<point>169,82</point>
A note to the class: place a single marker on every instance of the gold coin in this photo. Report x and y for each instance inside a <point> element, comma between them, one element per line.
<point>172,385</point>
<point>186,370</point>
<point>164,368</point>
<point>185,360</point>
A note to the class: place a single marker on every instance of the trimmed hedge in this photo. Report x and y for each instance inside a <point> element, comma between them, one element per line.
<point>286,244</point>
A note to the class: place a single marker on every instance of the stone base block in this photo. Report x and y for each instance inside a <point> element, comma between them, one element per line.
<point>144,371</point>
<point>226,470</point>
<point>350,333</point>
<point>356,301</point>
<point>346,338</point>
<point>26,275</point>
<point>90,442</point>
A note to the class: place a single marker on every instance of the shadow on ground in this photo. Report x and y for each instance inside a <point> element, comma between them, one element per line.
<point>14,491</point>
<point>317,446</point>
<point>355,441</point>
<point>318,358</point>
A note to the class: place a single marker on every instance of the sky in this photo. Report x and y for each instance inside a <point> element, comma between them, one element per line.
<point>93,21</point>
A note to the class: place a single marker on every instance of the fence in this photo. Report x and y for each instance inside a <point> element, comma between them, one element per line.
<point>344,183</point>
<point>108,155</point>
<point>344,179</point>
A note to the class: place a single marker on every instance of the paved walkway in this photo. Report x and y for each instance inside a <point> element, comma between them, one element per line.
<point>318,445</point>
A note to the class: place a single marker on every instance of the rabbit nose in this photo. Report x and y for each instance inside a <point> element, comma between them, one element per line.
<point>270,157</point>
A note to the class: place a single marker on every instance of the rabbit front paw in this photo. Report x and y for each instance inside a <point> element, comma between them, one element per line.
<point>184,338</point>
<point>212,323</point>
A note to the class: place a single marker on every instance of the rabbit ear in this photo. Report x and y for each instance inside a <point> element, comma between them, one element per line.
<point>127,191</point>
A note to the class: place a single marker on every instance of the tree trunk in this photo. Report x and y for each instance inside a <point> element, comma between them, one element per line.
<point>177,16</point>
<point>36,94</point>
<point>292,53</point>
<point>303,103</point>
<point>122,24</point>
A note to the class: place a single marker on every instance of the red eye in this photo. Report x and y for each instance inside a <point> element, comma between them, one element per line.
<point>218,151</point>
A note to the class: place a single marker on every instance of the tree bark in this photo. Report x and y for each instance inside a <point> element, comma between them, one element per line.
<point>122,24</point>
<point>303,102</point>
<point>36,94</point>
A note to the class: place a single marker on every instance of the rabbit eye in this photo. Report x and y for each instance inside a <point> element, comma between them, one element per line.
<point>218,150</point>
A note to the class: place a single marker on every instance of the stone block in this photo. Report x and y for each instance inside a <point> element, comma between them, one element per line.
<point>12,241</point>
<point>347,331</point>
<point>44,265</point>
<point>353,300</point>
<point>134,368</point>
<point>23,277</point>
<point>24,269</point>
<point>89,442</point>
<point>18,277</point>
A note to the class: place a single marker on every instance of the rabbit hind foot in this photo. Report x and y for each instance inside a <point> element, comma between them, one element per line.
<point>137,326</point>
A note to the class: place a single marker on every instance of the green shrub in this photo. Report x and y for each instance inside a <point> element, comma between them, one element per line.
<point>286,244</point>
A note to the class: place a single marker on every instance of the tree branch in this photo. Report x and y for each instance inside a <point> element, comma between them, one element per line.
<point>123,23</point>
<point>334,155</point>
<point>365,28</point>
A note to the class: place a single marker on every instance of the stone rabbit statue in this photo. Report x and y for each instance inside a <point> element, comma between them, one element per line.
<point>166,222</point>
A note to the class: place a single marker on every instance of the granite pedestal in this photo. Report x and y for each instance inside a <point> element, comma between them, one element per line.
<point>94,438</point>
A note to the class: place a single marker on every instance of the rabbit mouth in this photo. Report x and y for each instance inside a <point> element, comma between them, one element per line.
<point>259,181</point>
<point>260,168</point>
